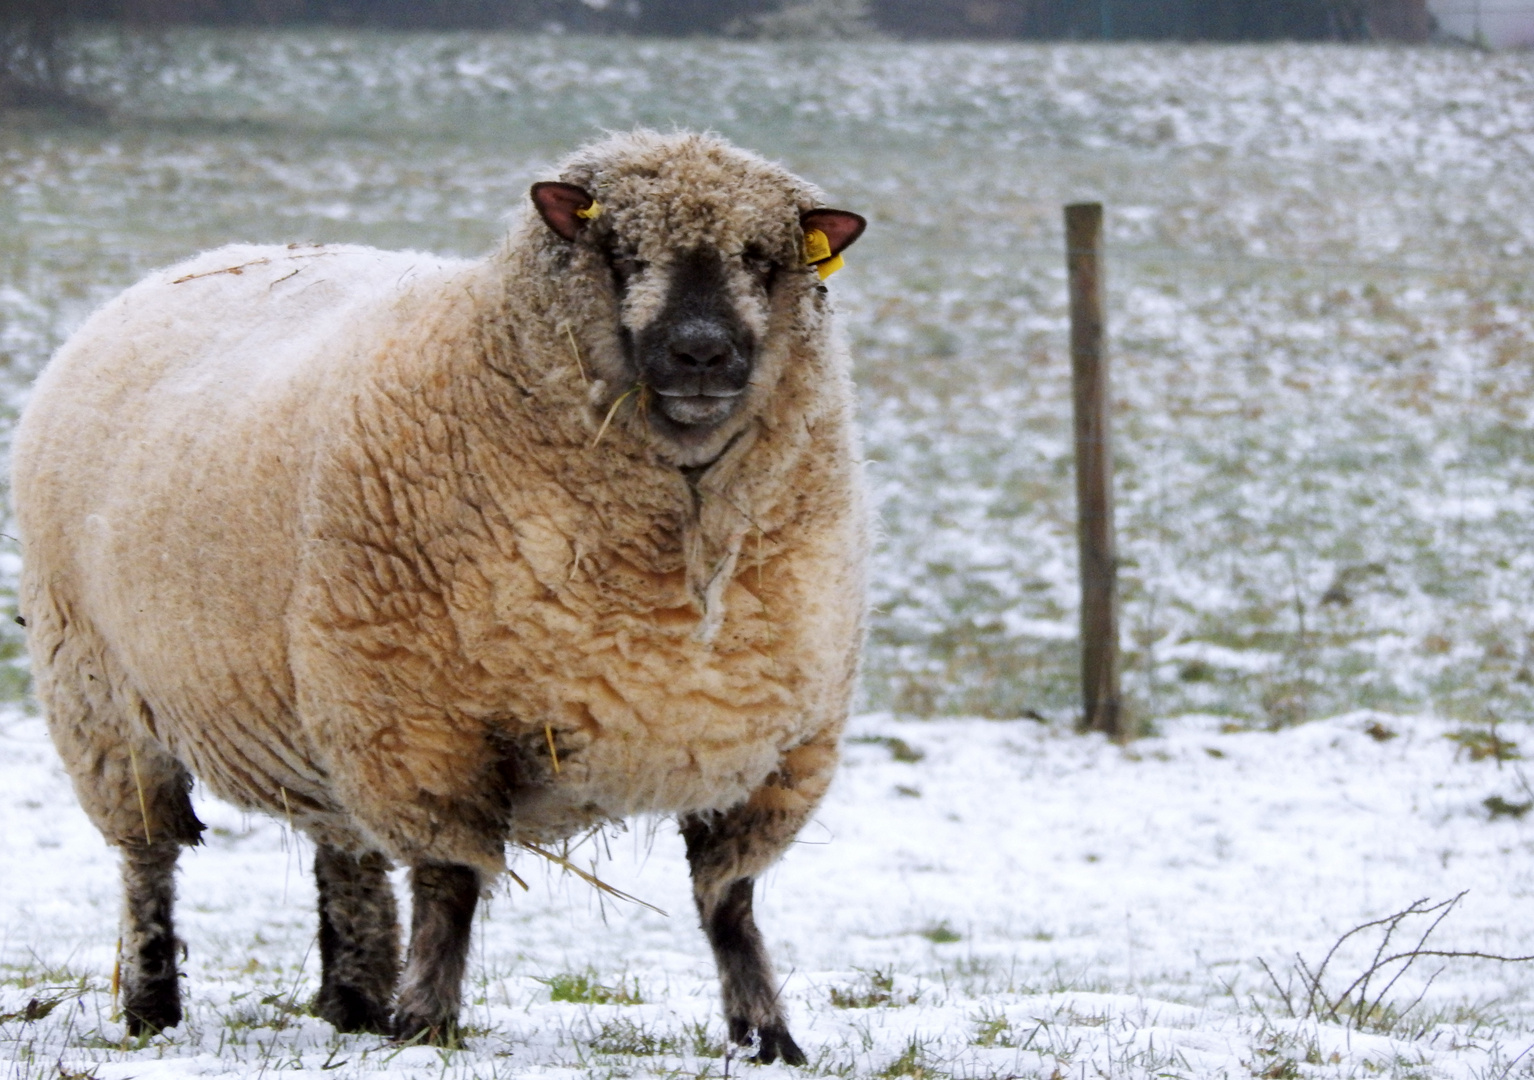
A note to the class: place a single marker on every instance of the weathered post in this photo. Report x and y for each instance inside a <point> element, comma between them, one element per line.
<point>1094,475</point>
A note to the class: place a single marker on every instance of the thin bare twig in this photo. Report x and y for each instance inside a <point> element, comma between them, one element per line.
<point>1411,957</point>
<point>1284,992</point>
<point>143,805</point>
<point>590,879</point>
<point>612,412</point>
<point>242,267</point>
<point>1359,1004</point>
<point>548,731</point>
<point>235,270</point>
<point>576,349</point>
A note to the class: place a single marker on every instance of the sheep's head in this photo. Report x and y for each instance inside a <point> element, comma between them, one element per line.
<point>695,253</point>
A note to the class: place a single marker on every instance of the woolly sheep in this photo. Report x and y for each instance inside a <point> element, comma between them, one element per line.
<point>429,557</point>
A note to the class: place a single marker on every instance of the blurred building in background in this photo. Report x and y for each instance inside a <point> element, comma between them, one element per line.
<point>1501,24</point>
<point>1495,22</point>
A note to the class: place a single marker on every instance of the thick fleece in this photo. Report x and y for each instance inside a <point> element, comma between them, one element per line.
<point>330,530</point>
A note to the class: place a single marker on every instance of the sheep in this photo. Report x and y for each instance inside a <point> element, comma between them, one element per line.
<point>430,557</point>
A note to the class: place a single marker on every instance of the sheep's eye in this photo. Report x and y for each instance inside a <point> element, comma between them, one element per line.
<point>626,267</point>
<point>759,266</point>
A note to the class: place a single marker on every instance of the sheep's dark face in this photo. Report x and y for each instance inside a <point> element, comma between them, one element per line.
<point>697,353</point>
<point>700,286</point>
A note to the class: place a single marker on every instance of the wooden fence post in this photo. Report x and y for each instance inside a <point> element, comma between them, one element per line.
<point>1102,709</point>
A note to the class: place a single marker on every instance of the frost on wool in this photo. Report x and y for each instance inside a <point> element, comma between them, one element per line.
<point>433,557</point>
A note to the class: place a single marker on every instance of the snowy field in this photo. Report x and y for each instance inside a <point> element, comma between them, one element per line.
<point>1321,279</point>
<point>1016,902</point>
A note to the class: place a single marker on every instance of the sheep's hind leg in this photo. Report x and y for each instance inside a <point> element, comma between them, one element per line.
<point>151,987</point>
<point>151,991</point>
<point>140,799</point>
<point>724,902</point>
<point>444,897</point>
<point>359,940</point>
<point>133,790</point>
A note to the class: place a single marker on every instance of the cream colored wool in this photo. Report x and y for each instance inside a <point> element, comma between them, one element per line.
<point>326,527</point>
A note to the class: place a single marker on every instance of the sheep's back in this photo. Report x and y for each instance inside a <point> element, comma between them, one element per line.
<point>158,473</point>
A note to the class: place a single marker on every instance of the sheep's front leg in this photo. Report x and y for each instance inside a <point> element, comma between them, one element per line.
<point>727,851</point>
<point>442,915</point>
<point>359,940</point>
<point>751,1005</point>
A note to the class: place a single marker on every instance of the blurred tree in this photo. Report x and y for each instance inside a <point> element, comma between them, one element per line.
<point>1278,20</point>
<point>31,30</point>
<point>1220,20</point>
<point>31,70</point>
<point>466,14</point>
<point>961,18</point>
<point>681,18</point>
<point>1399,20</point>
<point>808,20</point>
<point>394,14</point>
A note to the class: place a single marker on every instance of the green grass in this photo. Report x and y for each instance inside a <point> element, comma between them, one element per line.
<point>36,975</point>
<point>581,988</point>
<point>993,1029</point>
<point>35,1009</point>
<point>635,1040</point>
<point>899,749</point>
<point>876,989</point>
<point>1479,744</point>
<point>272,1011</point>
<point>701,1040</point>
<point>941,934</point>
<point>912,1062</point>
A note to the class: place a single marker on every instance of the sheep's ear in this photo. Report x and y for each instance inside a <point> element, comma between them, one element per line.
<point>841,227</point>
<point>565,208</point>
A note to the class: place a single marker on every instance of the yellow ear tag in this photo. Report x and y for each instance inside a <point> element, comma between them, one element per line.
<point>817,252</point>
<point>817,248</point>
<point>591,213</point>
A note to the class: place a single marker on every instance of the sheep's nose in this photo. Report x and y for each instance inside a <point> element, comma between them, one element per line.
<point>701,346</point>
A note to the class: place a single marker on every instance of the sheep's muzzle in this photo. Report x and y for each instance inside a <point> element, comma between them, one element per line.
<point>696,355</point>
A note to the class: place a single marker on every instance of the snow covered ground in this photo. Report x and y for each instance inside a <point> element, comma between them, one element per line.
<point>1014,901</point>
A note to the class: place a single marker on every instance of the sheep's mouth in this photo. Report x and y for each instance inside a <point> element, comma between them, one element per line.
<point>708,408</point>
<point>696,355</point>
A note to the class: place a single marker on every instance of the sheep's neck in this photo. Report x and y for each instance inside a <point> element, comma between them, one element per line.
<point>549,453</point>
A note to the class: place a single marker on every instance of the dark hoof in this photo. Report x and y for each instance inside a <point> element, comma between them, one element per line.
<point>349,1010</point>
<point>777,1043</point>
<point>410,1029</point>
<point>153,1007</point>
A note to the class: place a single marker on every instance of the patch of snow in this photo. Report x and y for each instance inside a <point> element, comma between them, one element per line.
<point>1031,902</point>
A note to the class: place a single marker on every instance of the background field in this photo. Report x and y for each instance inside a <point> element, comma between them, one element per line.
<point>1321,266</point>
<point>1320,282</point>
